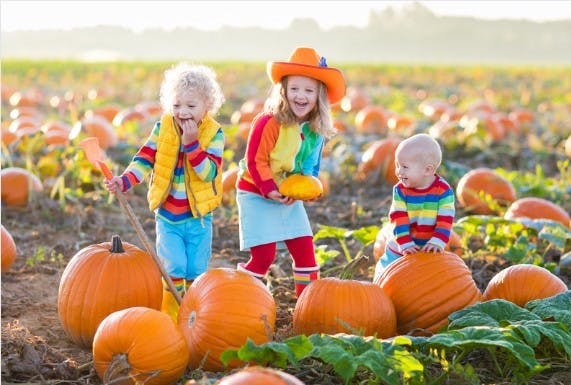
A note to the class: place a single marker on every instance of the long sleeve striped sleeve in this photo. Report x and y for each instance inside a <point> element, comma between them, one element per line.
<point>206,163</point>
<point>142,162</point>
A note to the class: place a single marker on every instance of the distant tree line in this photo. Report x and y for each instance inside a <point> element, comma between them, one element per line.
<point>413,35</point>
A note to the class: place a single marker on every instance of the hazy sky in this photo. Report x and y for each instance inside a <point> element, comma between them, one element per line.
<point>139,15</point>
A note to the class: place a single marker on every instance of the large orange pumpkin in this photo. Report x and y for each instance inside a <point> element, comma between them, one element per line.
<point>427,287</point>
<point>128,115</point>
<point>371,120</point>
<point>355,99</point>
<point>28,99</point>
<point>56,132</point>
<point>302,187</point>
<point>455,244</point>
<point>221,310</point>
<point>399,122</point>
<point>99,127</point>
<point>9,137</point>
<point>521,116</point>
<point>483,181</point>
<point>379,160</point>
<point>537,208</point>
<point>150,108</point>
<point>25,126</point>
<point>229,178</point>
<point>567,146</point>
<point>18,185</point>
<point>523,283</point>
<point>331,305</point>
<point>108,111</point>
<point>257,375</point>
<point>8,250</point>
<point>248,111</point>
<point>104,278</point>
<point>434,108</point>
<point>140,344</point>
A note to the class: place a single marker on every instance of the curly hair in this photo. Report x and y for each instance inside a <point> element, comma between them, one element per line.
<point>319,118</point>
<point>184,77</point>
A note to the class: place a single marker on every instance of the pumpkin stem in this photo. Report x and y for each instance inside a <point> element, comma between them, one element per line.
<point>348,270</point>
<point>118,369</point>
<point>116,245</point>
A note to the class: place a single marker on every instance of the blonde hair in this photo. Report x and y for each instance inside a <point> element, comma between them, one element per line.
<point>422,146</point>
<point>319,118</point>
<point>198,78</point>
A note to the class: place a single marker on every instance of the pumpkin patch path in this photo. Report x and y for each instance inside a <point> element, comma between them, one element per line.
<point>35,348</point>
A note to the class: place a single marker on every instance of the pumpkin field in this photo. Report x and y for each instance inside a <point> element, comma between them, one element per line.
<point>494,308</point>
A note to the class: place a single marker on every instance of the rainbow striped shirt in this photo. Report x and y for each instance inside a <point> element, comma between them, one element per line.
<point>207,164</point>
<point>421,216</point>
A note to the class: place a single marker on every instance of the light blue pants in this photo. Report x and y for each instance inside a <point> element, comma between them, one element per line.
<point>185,248</point>
<point>386,259</point>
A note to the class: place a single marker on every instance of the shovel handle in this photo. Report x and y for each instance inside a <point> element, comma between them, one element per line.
<point>140,232</point>
<point>147,243</point>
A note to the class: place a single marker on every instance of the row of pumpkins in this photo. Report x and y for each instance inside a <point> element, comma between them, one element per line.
<point>110,293</point>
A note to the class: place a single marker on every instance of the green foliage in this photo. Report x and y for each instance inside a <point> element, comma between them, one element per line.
<point>517,340</point>
<point>518,240</point>
<point>384,361</point>
<point>537,184</point>
<point>41,255</point>
<point>515,337</point>
<point>364,236</point>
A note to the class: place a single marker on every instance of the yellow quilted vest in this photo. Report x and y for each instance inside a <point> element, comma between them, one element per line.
<point>203,197</point>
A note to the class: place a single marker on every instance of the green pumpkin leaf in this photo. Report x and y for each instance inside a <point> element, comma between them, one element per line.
<point>491,313</point>
<point>557,307</point>
<point>471,338</point>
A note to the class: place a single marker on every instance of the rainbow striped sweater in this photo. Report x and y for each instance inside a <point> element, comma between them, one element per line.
<point>421,216</point>
<point>206,163</point>
<point>275,151</point>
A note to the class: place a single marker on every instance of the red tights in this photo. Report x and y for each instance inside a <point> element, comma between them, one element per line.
<point>262,256</point>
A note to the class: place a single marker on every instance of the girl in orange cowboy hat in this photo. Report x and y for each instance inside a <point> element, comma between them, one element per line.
<point>286,138</point>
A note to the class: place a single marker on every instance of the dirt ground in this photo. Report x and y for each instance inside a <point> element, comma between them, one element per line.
<point>35,348</point>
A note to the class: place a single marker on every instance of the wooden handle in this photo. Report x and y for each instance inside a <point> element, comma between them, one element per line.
<point>140,231</point>
<point>147,243</point>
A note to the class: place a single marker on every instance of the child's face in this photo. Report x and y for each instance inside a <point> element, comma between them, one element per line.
<point>301,93</point>
<point>413,171</point>
<point>189,105</point>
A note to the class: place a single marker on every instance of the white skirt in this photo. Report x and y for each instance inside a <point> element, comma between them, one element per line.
<point>264,221</point>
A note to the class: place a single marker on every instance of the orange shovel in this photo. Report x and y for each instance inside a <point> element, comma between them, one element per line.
<point>96,157</point>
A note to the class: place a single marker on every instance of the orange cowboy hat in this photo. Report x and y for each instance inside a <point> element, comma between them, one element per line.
<point>305,61</point>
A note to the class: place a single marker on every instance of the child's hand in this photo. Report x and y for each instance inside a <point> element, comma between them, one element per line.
<point>410,250</point>
<point>113,184</point>
<point>429,247</point>
<point>189,131</point>
<point>278,197</point>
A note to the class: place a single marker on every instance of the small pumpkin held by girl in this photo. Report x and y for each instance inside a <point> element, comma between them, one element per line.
<point>286,138</point>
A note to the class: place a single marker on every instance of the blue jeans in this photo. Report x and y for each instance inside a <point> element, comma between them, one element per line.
<point>386,259</point>
<point>185,248</point>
